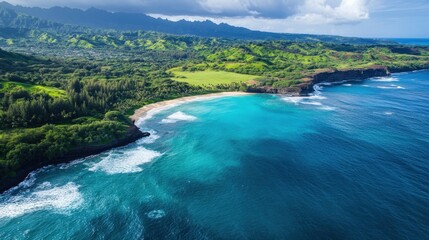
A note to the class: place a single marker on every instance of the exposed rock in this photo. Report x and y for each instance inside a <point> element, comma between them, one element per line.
<point>327,76</point>
<point>343,75</point>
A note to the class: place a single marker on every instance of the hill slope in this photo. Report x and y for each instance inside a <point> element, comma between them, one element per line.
<point>96,18</point>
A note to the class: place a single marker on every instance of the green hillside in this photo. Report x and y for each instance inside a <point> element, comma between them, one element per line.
<point>66,87</point>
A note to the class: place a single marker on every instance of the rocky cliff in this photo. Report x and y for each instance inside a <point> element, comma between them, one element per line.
<point>343,75</point>
<point>307,85</point>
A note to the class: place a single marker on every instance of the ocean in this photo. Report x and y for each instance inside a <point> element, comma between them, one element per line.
<point>349,162</point>
<point>411,41</point>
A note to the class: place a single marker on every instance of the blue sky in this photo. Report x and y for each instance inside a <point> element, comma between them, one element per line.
<point>364,18</point>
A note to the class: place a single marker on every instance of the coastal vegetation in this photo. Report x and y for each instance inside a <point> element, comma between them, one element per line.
<point>66,87</point>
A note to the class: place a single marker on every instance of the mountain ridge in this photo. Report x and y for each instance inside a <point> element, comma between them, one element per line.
<point>101,19</point>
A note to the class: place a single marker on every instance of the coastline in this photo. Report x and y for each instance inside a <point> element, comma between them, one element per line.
<point>149,110</point>
<point>133,134</point>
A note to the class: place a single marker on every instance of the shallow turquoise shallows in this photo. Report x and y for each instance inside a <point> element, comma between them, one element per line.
<point>349,162</point>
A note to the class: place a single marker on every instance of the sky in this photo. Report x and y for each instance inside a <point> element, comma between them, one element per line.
<point>360,18</point>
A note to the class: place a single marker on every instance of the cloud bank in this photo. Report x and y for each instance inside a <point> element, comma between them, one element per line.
<point>305,11</point>
<point>365,18</point>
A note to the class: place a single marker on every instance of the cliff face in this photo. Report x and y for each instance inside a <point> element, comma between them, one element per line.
<point>343,75</point>
<point>132,135</point>
<point>327,76</point>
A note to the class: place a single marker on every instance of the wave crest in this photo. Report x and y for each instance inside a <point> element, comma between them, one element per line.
<point>125,162</point>
<point>392,86</point>
<point>149,140</point>
<point>178,116</point>
<point>46,197</point>
<point>386,79</point>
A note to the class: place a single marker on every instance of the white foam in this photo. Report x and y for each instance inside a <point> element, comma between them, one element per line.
<point>73,163</point>
<point>388,113</point>
<point>151,113</point>
<point>156,214</point>
<point>385,79</point>
<point>332,83</point>
<point>126,162</point>
<point>318,87</point>
<point>347,85</point>
<point>149,140</point>
<point>328,108</point>
<point>392,86</point>
<point>298,100</point>
<point>28,181</point>
<point>60,199</point>
<point>308,100</point>
<point>178,116</point>
<point>294,100</point>
<point>312,103</point>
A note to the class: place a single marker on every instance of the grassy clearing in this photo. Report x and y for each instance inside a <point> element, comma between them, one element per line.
<point>51,91</point>
<point>210,77</point>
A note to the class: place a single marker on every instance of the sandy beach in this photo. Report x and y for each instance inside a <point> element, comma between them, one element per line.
<point>149,110</point>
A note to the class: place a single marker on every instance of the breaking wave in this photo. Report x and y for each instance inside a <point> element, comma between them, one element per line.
<point>125,162</point>
<point>328,108</point>
<point>385,79</point>
<point>60,199</point>
<point>178,116</point>
<point>149,140</point>
<point>392,86</point>
<point>313,99</point>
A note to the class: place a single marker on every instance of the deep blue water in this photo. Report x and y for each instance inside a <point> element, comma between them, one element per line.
<point>351,162</point>
<point>411,41</point>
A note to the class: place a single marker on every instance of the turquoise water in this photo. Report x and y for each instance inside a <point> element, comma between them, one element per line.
<point>350,162</point>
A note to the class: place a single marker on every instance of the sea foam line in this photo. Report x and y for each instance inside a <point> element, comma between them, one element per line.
<point>309,100</point>
<point>149,140</point>
<point>392,86</point>
<point>178,116</point>
<point>385,79</point>
<point>125,162</point>
<point>147,112</point>
<point>60,199</point>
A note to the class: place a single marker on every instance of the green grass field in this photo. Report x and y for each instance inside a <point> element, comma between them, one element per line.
<point>51,91</point>
<point>210,77</point>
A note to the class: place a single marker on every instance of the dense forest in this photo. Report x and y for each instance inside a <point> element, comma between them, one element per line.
<point>49,108</point>
<point>66,87</point>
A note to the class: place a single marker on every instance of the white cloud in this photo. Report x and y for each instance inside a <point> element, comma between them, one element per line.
<point>224,6</point>
<point>304,11</point>
<point>321,12</point>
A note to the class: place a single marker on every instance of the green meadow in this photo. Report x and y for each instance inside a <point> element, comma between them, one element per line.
<point>210,77</point>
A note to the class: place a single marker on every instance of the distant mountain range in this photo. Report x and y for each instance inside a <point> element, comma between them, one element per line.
<point>100,19</point>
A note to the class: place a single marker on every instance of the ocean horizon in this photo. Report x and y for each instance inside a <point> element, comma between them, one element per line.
<point>411,41</point>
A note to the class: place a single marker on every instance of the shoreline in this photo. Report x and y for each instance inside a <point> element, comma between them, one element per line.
<point>133,135</point>
<point>149,110</point>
